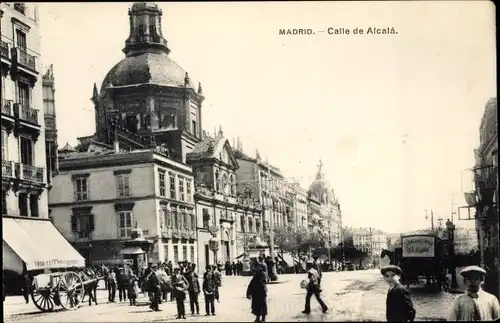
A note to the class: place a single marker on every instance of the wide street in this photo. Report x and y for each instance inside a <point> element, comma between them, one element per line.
<point>351,296</point>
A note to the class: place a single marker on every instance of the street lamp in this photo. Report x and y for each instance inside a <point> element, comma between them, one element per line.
<point>450,227</point>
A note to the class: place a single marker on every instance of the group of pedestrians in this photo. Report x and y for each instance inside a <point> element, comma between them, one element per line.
<point>473,305</point>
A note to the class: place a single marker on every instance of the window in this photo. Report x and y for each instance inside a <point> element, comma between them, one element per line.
<point>123,183</point>
<point>193,220</point>
<point>152,26</point>
<point>242,221</point>
<point>125,219</point>
<point>188,191</point>
<point>5,143</point>
<point>21,40</point>
<point>175,220</point>
<point>173,195</point>
<point>185,219</point>
<point>81,189</point>
<point>161,180</point>
<point>166,218</point>
<point>83,225</point>
<point>26,146</point>
<point>257,225</point>
<point>34,205</point>
<point>250,225</point>
<point>184,252</point>
<point>23,204</point>
<point>206,218</point>
<point>23,94</point>
<point>194,127</point>
<point>192,254</point>
<point>181,189</point>
<point>176,254</point>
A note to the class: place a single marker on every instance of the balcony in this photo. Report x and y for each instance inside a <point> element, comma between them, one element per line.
<point>7,168</point>
<point>7,107</point>
<point>29,173</point>
<point>25,113</point>
<point>166,233</point>
<point>26,60</point>
<point>191,234</point>
<point>4,49</point>
<point>176,233</point>
<point>184,233</point>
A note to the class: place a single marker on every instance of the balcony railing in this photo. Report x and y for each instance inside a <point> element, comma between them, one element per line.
<point>30,173</point>
<point>7,168</point>
<point>7,107</point>
<point>25,113</point>
<point>26,59</point>
<point>166,232</point>
<point>4,49</point>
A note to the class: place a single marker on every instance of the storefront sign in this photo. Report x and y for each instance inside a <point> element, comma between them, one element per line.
<point>418,246</point>
<point>55,263</point>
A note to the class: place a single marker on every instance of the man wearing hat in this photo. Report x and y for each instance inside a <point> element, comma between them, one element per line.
<point>313,288</point>
<point>399,306</point>
<point>475,304</point>
<point>154,285</point>
<point>180,285</point>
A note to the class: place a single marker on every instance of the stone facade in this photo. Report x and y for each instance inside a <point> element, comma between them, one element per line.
<point>24,178</point>
<point>100,196</point>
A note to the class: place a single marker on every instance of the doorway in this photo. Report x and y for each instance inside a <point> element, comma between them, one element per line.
<point>207,256</point>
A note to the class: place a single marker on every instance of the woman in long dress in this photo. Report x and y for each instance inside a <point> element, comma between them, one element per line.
<point>257,291</point>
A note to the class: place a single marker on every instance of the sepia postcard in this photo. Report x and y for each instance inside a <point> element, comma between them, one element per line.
<point>249,161</point>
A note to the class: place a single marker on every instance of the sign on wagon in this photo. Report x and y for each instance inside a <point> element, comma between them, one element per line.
<point>418,247</point>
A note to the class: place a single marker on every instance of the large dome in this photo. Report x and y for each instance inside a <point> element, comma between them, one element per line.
<point>149,67</point>
<point>320,188</point>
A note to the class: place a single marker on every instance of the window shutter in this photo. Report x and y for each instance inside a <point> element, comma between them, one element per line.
<point>91,222</point>
<point>74,225</point>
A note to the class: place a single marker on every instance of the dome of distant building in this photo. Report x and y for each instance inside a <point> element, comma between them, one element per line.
<point>152,68</point>
<point>320,188</point>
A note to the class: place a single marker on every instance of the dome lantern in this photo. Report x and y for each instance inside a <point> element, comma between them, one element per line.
<point>145,30</point>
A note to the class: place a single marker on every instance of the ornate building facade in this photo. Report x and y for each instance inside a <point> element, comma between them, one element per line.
<point>49,113</point>
<point>148,97</point>
<point>325,215</point>
<point>223,213</point>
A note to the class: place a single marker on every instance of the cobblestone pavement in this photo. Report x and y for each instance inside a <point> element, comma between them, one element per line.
<point>351,296</point>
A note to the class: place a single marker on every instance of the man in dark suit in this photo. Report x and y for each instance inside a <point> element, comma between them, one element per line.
<point>399,307</point>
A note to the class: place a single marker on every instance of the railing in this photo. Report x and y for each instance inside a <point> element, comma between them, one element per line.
<point>25,113</point>
<point>26,59</point>
<point>166,232</point>
<point>4,49</point>
<point>7,168</point>
<point>7,107</point>
<point>29,173</point>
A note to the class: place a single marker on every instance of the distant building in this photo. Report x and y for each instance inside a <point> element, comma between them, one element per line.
<point>222,212</point>
<point>49,112</point>
<point>99,196</point>
<point>325,214</point>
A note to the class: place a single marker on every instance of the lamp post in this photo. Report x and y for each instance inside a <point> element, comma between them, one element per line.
<point>450,227</point>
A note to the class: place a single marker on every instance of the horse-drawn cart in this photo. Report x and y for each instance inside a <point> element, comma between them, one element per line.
<point>64,289</point>
<point>423,256</point>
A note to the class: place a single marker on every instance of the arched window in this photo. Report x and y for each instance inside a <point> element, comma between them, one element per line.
<point>250,225</point>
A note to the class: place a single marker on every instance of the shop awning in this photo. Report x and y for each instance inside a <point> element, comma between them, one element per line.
<point>37,243</point>
<point>132,250</point>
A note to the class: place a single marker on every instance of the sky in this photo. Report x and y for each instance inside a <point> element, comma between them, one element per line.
<point>394,118</point>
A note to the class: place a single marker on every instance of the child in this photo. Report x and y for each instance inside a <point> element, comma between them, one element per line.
<point>133,287</point>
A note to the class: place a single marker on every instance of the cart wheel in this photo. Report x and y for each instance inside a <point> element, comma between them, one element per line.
<point>70,290</point>
<point>43,299</point>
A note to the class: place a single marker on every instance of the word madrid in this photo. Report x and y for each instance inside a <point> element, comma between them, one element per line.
<point>339,31</point>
